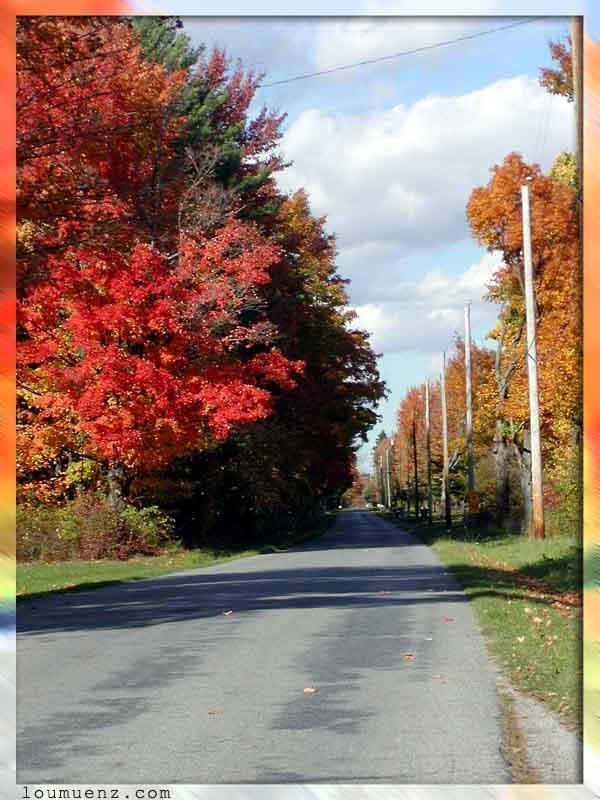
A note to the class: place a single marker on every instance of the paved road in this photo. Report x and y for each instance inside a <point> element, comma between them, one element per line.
<point>152,682</point>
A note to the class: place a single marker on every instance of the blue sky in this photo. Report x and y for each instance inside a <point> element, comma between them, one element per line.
<point>390,153</point>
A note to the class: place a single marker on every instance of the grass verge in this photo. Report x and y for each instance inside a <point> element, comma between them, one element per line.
<point>40,578</point>
<point>526,595</point>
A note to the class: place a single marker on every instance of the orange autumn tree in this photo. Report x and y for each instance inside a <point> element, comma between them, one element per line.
<point>413,406</point>
<point>481,370</point>
<point>410,421</point>
<point>494,213</point>
<point>559,79</point>
<point>355,495</point>
<point>380,455</point>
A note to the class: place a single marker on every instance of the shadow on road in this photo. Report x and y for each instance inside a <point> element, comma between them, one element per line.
<point>175,598</point>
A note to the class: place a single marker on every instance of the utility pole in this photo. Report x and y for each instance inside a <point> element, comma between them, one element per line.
<point>537,492</point>
<point>387,473</point>
<point>428,437</point>
<point>446,470</point>
<point>469,409</point>
<point>414,438</point>
<point>577,61</point>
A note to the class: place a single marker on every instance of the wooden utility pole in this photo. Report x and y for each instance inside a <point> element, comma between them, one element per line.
<point>577,61</point>
<point>537,491</point>
<point>469,409</point>
<point>415,463</point>
<point>428,438</point>
<point>446,470</point>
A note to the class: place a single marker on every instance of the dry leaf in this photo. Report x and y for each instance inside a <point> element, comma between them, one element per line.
<point>310,690</point>
<point>214,711</point>
<point>537,620</point>
<point>408,656</point>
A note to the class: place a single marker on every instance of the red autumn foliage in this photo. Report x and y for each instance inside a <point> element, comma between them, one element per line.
<point>149,358</point>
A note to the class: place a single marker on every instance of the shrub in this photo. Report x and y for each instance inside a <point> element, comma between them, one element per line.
<point>42,536</point>
<point>89,527</point>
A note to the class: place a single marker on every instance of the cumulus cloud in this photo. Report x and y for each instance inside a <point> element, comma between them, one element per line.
<point>424,315</point>
<point>404,175</point>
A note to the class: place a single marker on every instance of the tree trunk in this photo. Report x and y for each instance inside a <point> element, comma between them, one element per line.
<point>115,479</point>
<point>502,483</point>
<point>523,455</point>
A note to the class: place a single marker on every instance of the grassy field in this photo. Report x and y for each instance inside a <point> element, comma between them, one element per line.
<point>39,578</point>
<point>527,597</point>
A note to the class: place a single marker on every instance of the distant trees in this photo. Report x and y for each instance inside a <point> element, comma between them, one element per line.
<point>411,413</point>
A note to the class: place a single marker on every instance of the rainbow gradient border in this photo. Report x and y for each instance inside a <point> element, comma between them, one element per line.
<point>591,685</point>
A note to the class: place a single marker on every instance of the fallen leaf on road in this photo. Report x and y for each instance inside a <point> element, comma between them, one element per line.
<point>227,613</point>
<point>310,690</point>
<point>214,711</point>
<point>408,656</point>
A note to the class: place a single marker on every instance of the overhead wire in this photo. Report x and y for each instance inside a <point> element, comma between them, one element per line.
<point>414,51</point>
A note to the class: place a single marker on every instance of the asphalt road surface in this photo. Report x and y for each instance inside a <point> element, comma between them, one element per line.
<point>156,682</point>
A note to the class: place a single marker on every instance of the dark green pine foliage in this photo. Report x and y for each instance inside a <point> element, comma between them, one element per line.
<point>215,101</point>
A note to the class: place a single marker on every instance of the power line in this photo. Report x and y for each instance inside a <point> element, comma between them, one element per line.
<point>399,55</point>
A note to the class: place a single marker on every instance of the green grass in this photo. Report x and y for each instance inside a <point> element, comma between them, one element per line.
<point>40,578</point>
<point>525,594</point>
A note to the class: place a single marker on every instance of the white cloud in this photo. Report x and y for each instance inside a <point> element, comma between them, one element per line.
<point>423,315</point>
<point>404,175</point>
<point>349,40</point>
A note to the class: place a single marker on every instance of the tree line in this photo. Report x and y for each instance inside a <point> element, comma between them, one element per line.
<point>184,337</point>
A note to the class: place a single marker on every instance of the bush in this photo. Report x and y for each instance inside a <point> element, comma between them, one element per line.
<point>90,528</point>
